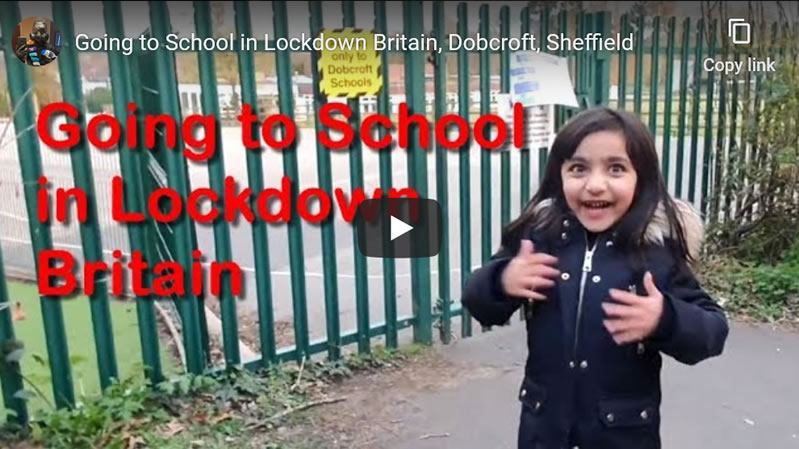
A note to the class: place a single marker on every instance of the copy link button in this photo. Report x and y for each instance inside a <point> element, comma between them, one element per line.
<point>398,227</point>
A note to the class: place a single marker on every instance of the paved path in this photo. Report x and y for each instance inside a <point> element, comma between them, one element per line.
<point>747,398</point>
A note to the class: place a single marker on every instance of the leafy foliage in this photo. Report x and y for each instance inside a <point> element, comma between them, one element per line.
<point>755,209</point>
<point>216,409</point>
<point>760,291</point>
<point>97,99</point>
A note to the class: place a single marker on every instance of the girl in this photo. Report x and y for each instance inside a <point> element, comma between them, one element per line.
<point>600,262</point>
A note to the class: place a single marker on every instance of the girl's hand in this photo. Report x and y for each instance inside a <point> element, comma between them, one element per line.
<point>529,272</point>
<point>637,317</point>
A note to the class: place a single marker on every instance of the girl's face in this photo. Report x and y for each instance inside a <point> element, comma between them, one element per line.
<point>599,180</point>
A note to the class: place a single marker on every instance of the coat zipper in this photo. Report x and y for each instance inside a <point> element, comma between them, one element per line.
<point>587,267</point>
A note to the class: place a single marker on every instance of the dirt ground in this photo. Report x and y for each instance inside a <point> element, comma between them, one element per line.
<point>372,413</point>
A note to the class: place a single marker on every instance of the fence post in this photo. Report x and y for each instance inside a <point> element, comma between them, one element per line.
<point>356,182</point>
<point>324,170</point>
<point>697,99</point>
<point>708,153</point>
<point>524,156</point>
<point>10,371</point>
<point>666,155</point>
<point>485,153</point>
<point>290,169</point>
<point>177,180</point>
<point>442,173</point>
<point>216,175</point>
<point>20,92</point>
<point>622,82</point>
<point>417,173</point>
<point>504,73</point>
<point>129,162</point>
<point>90,236</point>
<point>384,106</point>
<point>654,77</point>
<point>464,164</point>
<point>683,109</point>
<point>255,180</point>
<point>602,62</point>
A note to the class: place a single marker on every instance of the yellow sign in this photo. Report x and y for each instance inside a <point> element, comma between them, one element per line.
<point>349,65</point>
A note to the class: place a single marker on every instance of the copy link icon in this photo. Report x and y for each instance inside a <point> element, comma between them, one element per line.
<point>736,26</point>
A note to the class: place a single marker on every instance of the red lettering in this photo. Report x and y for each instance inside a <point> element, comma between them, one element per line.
<point>217,271</point>
<point>62,203</point>
<point>137,266</point>
<point>324,205</point>
<point>518,125</point>
<point>283,196</point>
<point>118,212</point>
<point>207,143</point>
<point>48,273</point>
<point>237,203</point>
<point>405,191</point>
<point>174,209</point>
<point>405,122</point>
<point>151,123</point>
<point>71,129</point>
<point>193,205</point>
<point>248,133</point>
<point>441,131</point>
<point>479,130</point>
<point>43,201</point>
<point>171,282</point>
<point>366,131</point>
<point>116,276</point>
<point>94,133</point>
<point>89,270</point>
<point>348,210</point>
<point>289,131</point>
<point>132,131</point>
<point>327,121</point>
<point>197,273</point>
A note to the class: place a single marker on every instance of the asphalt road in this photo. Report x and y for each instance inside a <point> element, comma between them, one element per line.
<point>746,398</point>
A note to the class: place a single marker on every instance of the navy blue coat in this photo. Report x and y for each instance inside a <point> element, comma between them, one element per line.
<point>580,388</point>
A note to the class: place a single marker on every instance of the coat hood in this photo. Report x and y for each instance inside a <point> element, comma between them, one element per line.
<point>693,226</point>
<point>658,229</point>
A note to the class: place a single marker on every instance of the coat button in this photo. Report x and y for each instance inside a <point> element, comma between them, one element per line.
<point>564,276</point>
<point>565,223</point>
<point>609,243</point>
<point>572,364</point>
<point>537,405</point>
<point>584,364</point>
<point>524,393</point>
<point>610,417</point>
<point>564,236</point>
<point>641,348</point>
<point>596,278</point>
<point>644,415</point>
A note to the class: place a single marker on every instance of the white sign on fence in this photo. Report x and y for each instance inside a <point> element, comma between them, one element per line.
<point>539,124</point>
<point>538,79</point>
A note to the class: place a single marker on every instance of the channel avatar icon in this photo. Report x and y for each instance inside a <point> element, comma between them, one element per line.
<point>37,41</point>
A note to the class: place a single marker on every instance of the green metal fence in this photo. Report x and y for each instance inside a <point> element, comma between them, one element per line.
<point>150,81</point>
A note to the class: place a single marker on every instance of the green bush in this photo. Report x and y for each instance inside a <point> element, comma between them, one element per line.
<point>97,99</point>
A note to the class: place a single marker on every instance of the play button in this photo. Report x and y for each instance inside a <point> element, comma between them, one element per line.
<point>398,227</point>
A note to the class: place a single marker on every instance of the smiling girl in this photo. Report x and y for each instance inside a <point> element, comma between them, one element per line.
<point>600,261</point>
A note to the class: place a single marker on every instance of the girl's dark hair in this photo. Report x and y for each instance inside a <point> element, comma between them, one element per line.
<point>650,190</point>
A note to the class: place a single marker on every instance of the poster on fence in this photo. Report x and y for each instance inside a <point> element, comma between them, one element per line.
<point>540,79</point>
<point>351,70</point>
<point>539,123</point>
